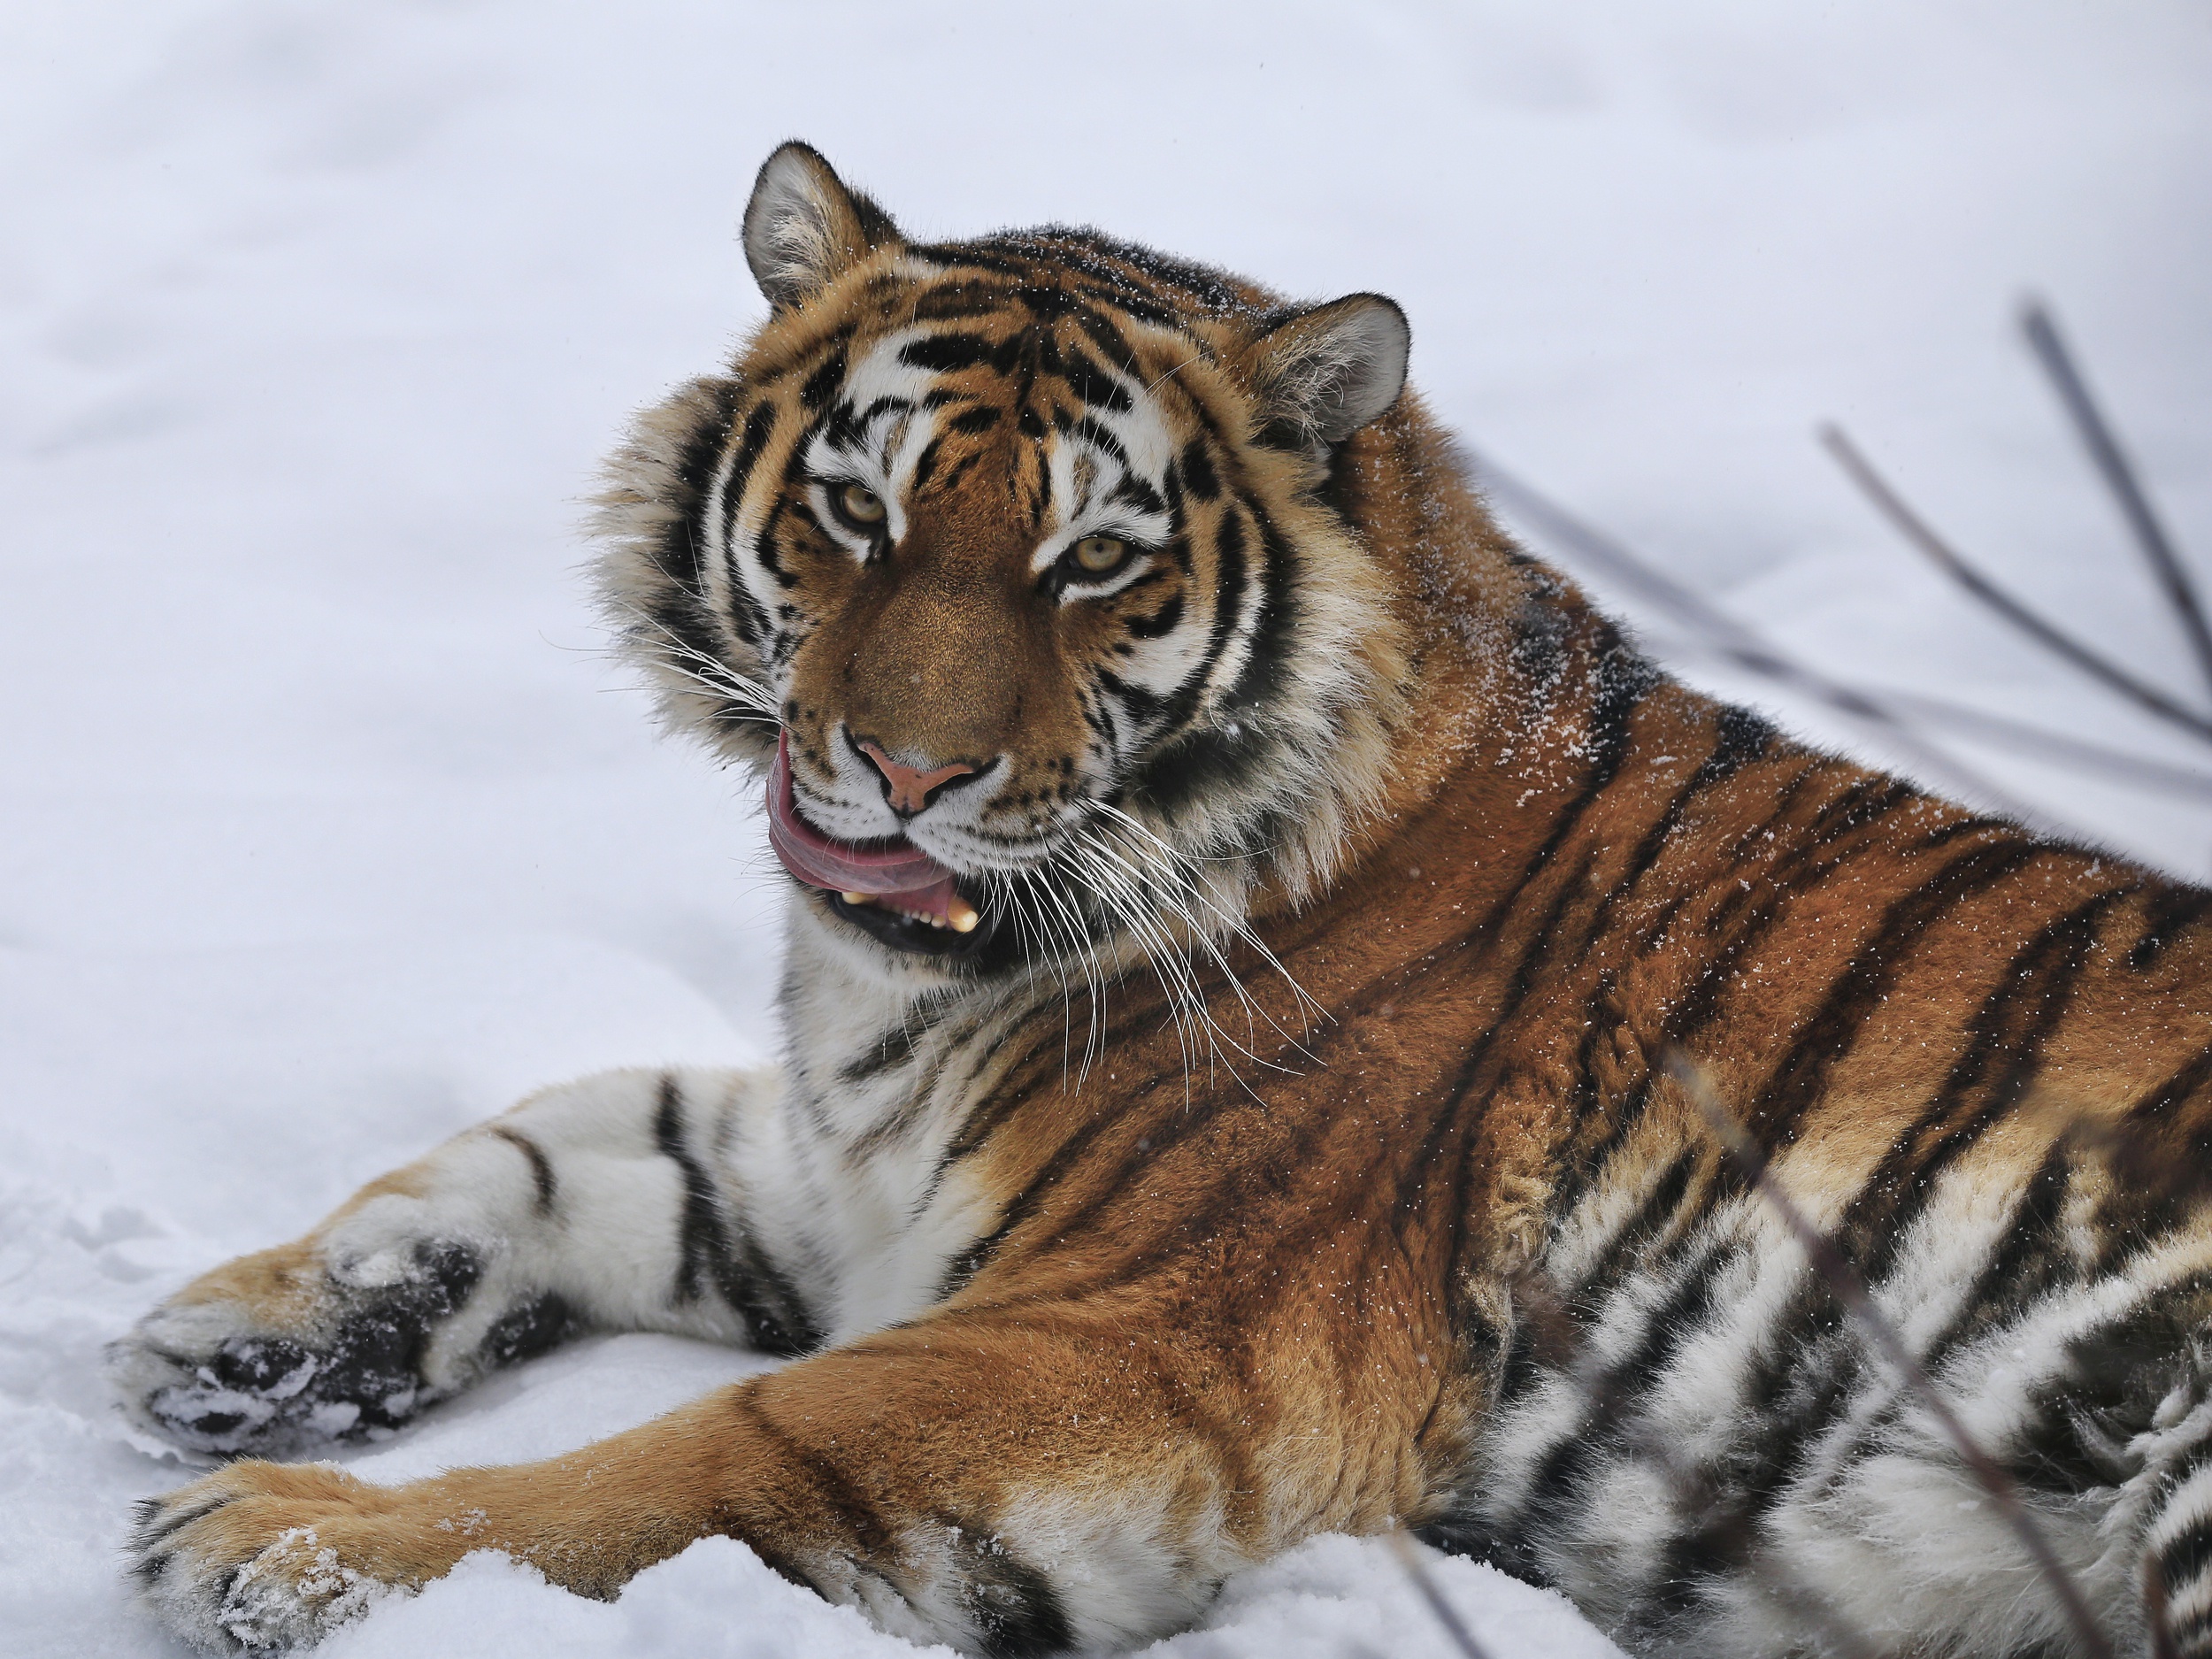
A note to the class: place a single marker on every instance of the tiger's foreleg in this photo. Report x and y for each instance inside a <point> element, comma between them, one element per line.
<point>976,1479</point>
<point>600,1204</point>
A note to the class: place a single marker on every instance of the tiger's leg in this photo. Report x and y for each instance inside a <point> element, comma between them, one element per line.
<point>1011,1485</point>
<point>603,1204</point>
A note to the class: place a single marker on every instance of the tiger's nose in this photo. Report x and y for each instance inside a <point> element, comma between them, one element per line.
<point>910,786</point>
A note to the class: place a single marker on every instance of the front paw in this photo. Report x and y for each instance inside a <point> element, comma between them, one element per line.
<point>272,1353</point>
<point>265,1556</point>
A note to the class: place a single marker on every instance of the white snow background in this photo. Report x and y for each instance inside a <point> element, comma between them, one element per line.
<point>323,829</point>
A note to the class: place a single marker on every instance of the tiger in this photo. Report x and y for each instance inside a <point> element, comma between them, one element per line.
<point>1264,961</point>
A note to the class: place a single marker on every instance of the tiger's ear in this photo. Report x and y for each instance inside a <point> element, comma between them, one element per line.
<point>1328,372</point>
<point>803,228</point>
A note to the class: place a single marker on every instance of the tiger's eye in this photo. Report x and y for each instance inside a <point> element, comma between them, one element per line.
<point>1099,554</point>
<point>861,504</point>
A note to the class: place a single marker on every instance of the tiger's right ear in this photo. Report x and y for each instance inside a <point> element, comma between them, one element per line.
<point>803,228</point>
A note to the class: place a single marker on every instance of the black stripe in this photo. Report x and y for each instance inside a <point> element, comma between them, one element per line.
<point>1198,472</point>
<point>682,628</point>
<point>1161,622</point>
<point>1138,704</point>
<point>2168,916</point>
<point>962,299</point>
<point>540,1166</point>
<point>677,553</point>
<point>2031,1259</point>
<point>1611,1400</point>
<point>1836,834</point>
<point>1621,680</point>
<point>845,1502</point>
<point>982,417</point>
<point>1739,738</point>
<point>1100,257</point>
<point>2001,1060</point>
<point>894,1048</point>
<point>1100,438</point>
<point>1228,602</point>
<point>1091,384</point>
<point>946,353</point>
<point>1017,1613</point>
<point>960,470</point>
<point>750,620</point>
<point>2182,1086</point>
<point>1802,1076</point>
<point>1657,1214</point>
<point>821,386</point>
<point>1109,340</point>
<point>926,463</point>
<point>2183,1560</point>
<point>1801,1379</point>
<point>776,1319</point>
<point>700,1231</point>
<point>1130,490</point>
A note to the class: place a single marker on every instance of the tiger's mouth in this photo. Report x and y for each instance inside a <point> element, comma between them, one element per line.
<point>889,888</point>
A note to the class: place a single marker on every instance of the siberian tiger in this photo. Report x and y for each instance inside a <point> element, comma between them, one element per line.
<point>1246,921</point>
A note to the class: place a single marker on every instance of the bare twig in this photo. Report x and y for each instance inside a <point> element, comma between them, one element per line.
<point>2047,633</point>
<point>1408,1555</point>
<point>1849,1289</point>
<point>2002,732</point>
<point>1729,639</point>
<point>2112,465</point>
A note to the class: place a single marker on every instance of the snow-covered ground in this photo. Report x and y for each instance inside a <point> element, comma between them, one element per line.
<point>323,829</point>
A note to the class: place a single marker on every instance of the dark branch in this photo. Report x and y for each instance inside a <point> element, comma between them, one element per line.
<point>1409,1554</point>
<point>2002,732</point>
<point>2045,634</point>
<point>2113,466</point>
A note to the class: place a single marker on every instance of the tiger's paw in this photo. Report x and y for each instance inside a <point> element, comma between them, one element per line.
<point>277,1352</point>
<point>260,1557</point>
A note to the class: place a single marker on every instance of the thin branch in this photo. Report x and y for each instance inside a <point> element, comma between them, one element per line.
<point>1849,1289</point>
<point>1408,1555</point>
<point>2044,633</point>
<point>2002,732</point>
<point>1729,639</point>
<point>2119,476</point>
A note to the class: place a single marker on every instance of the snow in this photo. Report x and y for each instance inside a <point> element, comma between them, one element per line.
<point>324,828</point>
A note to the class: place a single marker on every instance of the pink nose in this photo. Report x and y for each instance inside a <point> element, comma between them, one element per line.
<point>911,787</point>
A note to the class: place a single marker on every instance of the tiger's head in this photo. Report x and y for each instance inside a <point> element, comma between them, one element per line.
<point>1022,566</point>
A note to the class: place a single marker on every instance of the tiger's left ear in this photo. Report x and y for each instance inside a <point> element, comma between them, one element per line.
<point>1328,372</point>
<point>804,227</point>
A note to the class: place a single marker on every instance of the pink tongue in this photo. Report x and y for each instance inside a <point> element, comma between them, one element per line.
<point>895,869</point>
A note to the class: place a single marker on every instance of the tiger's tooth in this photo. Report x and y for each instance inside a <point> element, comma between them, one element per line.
<point>961,915</point>
<point>856,898</point>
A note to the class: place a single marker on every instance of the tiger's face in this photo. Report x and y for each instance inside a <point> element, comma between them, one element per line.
<point>1009,559</point>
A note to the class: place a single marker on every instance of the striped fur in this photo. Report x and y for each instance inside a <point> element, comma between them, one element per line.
<point>1295,1150</point>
